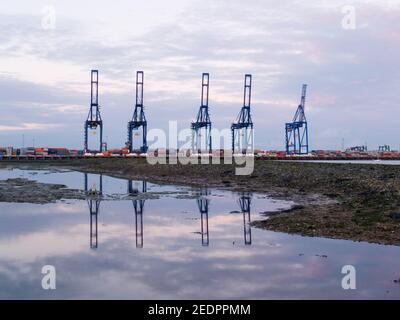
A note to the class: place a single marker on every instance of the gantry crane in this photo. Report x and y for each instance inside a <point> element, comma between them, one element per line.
<point>203,120</point>
<point>94,118</point>
<point>242,129</point>
<point>138,118</point>
<point>297,130</point>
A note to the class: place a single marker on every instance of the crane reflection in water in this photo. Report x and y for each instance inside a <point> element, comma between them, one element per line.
<point>138,205</point>
<point>203,203</point>
<point>245,205</point>
<point>94,196</point>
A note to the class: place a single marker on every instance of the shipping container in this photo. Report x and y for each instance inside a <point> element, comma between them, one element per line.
<point>58,151</point>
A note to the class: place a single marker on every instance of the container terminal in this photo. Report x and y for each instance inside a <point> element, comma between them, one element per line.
<point>296,134</point>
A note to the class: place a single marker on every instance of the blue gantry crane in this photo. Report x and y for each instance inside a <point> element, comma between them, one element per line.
<point>384,148</point>
<point>297,130</point>
<point>203,120</point>
<point>138,118</point>
<point>94,118</point>
<point>242,129</point>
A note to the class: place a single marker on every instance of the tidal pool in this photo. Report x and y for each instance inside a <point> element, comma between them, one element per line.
<point>183,243</point>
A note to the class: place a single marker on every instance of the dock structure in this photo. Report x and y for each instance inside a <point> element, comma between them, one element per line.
<point>384,148</point>
<point>359,148</point>
<point>202,122</point>
<point>94,120</point>
<point>242,134</point>
<point>296,132</point>
<point>138,119</point>
<point>242,129</point>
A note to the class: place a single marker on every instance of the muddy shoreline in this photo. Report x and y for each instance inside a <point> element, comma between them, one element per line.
<point>359,202</point>
<point>21,190</point>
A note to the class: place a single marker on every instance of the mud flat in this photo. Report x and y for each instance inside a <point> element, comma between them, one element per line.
<point>21,190</point>
<point>30,191</point>
<point>359,202</point>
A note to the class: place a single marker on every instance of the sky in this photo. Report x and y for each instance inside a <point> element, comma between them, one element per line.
<point>346,51</point>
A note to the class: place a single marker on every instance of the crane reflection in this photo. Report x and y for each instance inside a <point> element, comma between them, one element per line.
<point>138,205</point>
<point>203,202</point>
<point>245,205</point>
<point>93,195</point>
<point>136,189</point>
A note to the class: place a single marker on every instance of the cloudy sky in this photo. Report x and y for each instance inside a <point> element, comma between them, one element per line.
<point>351,66</point>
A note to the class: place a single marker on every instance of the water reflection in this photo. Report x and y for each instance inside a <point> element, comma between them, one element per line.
<point>245,204</point>
<point>93,187</point>
<point>93,200</point>
<point>136,188</point>
<point>94,206</point>
<point>138,205</point>
<point>174,264</point>
<point>203,203</point>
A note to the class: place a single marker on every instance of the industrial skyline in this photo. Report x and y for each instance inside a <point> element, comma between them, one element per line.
<point>352,72</point>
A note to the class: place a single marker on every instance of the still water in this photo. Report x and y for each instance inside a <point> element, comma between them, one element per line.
<point>182,243</point>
